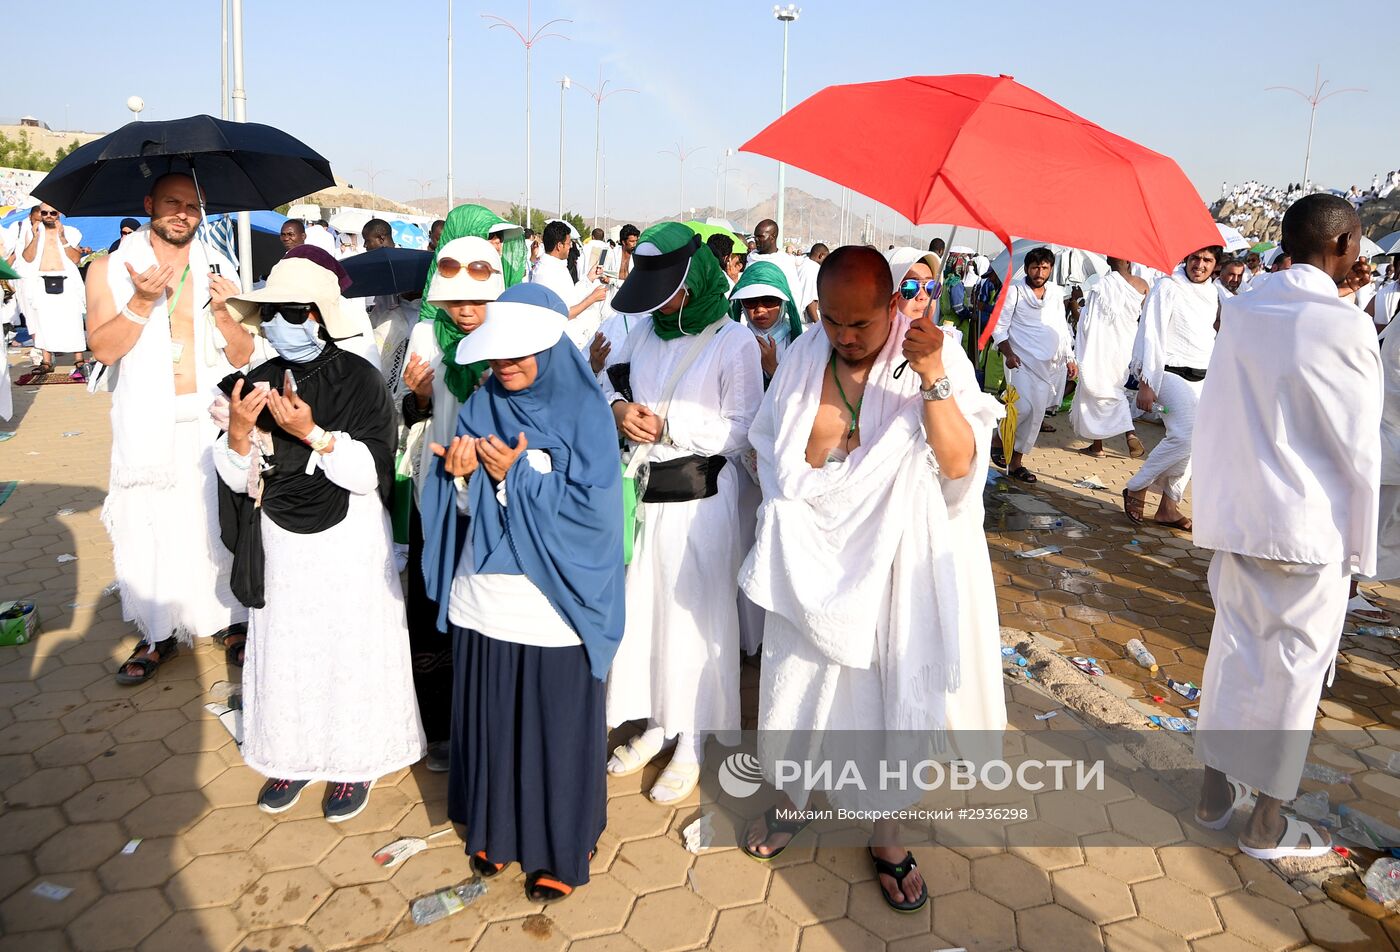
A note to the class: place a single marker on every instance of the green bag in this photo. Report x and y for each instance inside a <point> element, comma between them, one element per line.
<point>629,515</point>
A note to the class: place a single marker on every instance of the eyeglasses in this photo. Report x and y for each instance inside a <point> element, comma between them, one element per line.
<point>910,288</point>
<point>477,270</point>
<point>291,313</point>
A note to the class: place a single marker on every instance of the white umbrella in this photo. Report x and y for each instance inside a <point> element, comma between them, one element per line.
<point>1231,238</point>
<point>1072,265</point>
<point>961,250</point>
<point>1390,243</point>
<point>350,220</point>
<point>1369,248</point>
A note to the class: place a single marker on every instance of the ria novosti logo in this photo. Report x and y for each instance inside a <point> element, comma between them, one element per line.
<point>740,775</point>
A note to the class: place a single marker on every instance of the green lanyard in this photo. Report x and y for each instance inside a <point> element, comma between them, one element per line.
<point>853,410</point>
<point>178,290</point>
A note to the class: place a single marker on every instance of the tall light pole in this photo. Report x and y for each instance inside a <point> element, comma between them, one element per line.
<point>563,85</point>
<point>786,15</point>
<point>599,94</point>
<point>240,114</point>
<point>681,153</point>
<point>722,171</point>
<point>423,186</point>
<point>529,38</point>
<point>748,205</point>
<point>371,173</point>
<point>451,197</point>
<point>135,104</point>
<point>1314,99</point>
<point>223,59</point>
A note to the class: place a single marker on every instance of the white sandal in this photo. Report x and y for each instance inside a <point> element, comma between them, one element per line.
<point>1361,609</point>
<point>630,759</point>
<point>1241,796</point>
<point>1293,830</point>
<point>675,783</point>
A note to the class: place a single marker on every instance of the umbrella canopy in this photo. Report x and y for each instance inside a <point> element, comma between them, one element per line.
<point>1369,248</point>
<point>239,165</point>
<point>1390,243</point>
<point>962,250</point>
<point>408,235</point>
<point>705,231</point>
<point>995,155</point>
<point>387,271</point>
<point>1231,238</point>
<point>7,273</point>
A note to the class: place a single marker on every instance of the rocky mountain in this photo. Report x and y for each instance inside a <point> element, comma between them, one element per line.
<point>1262,218</point>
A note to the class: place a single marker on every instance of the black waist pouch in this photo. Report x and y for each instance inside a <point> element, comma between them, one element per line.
<point>53,283</point>
<point>684,479</point>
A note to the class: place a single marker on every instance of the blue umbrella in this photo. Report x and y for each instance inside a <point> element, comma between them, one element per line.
<point>386,271</point>
<point>409,235</point>
<point>239,166</point>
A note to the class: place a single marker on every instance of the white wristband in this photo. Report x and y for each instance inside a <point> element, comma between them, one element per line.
<point>133,317</point>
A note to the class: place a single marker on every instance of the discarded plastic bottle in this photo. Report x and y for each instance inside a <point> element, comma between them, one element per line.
<point>1139,653</point>
<point>1324,774</point>
<point>1185,688</point>
<point>1378,632</point>
<point>1383,880</point>
<point>446,902</point>
<point>1159,409</point>
<point>1313,806</point>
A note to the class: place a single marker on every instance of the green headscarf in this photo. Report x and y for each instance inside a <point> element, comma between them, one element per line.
<point>765,272</point>
<point>709,291</point>
<point>466,221</point>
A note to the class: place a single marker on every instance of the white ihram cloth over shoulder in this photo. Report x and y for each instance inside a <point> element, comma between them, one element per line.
<point>1388,526</point>
<point>328,680</point>
<point>1103,350</point>
<point>874,570</point>
<point>1040,337</point>
<point>679,658</point>
<point>162,509</point>
<point>1288,465</point>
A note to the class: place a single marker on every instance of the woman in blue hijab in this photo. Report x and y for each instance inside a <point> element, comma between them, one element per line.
<point>535,596</point>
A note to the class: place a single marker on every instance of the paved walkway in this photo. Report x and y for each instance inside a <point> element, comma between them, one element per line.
<point>85,766</point>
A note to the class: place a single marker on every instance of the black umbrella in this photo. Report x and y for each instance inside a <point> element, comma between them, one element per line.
<point>240,166</point>
<point>387,271</point>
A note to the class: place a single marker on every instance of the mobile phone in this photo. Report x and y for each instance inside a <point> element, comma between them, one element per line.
<point>214,268</point>
<point>603,258</point>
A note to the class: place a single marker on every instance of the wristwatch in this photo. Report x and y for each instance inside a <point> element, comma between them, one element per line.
<point>318,439</point>
<point>942,389</point>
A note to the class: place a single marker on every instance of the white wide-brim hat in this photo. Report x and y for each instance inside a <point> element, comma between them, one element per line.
<point>528,319</point>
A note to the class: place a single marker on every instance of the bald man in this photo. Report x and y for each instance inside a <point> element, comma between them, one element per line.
<point>872,498</point>
<point>1287,460</point>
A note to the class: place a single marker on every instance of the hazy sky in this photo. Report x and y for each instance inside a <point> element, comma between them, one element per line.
<point>365,83</point>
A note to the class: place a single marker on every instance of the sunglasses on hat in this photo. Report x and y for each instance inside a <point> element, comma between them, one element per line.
<point>291,313</point>
<point>909,288</point>
<point>477,270</point>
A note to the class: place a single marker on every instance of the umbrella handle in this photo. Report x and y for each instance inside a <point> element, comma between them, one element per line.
<point>928,309</point>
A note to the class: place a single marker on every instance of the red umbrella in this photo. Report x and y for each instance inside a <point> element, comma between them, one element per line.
<point>987,152</point>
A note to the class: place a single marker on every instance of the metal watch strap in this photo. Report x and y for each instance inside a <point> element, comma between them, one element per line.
<point>942,389</point>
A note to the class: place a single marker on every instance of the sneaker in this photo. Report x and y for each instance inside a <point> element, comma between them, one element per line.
<point>346,800</point>
<point>280,795</point>
<point>437,759</point>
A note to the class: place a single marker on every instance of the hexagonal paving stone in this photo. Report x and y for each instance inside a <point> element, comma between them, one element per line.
<point>153,863</point>
<point>284,898</point>
<point>387,805</point>
<point>606,943</point>
<point>294,843</point>
<point>1055,929</point>
<point>356,915</point>
<point>534,932</point>
<point>1204,870</point>
<point>673,919</point>
<point>839,936</point>
<point>974,922</point>
<point>1333,927</point>
<point>119,921</point>
<point>746,928</point>
<point>208,930</point>
<point>281,939</point>
<point>729,878</point>
<point>1093,894</point>
<point>1133,935</point>
<point>1011,881</point>
<point>1145,822</point>
<point>635,817</point>
<point>126,761</point>
<point>183,772</point>
<point>79,847</point>
<point>26,829</point>
<point>49,787</point>
<point>432,868</point>
<point>192,737</point>
<point>148,725</point>
<point>16,869</point>
<point>944,870</point>
<point>26,912</point>
<point>105,800</point>
<point>1261,921</point>
<point>1044,845</point>
<point>601,907</point>
<point>867,908</point>
<point>1072,811</point>
<point>73,749</point>
<point>808,894</point>
<point>216,880</point>
<point>1121,857</point>
<point>98,716</point>
<point>167,814</point>
<point>351,861</point>
<point>25,737</point>
<point>1261,879</point>
<point>1176,908</point>
<point>227,830</point>
<point>48,704</point>
<point>16,767</point>
<point>652,864</point>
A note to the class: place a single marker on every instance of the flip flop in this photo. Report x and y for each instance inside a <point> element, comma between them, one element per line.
<point>1361,609</point>
<point>775,825</point>
<point>1181,525</point>
<point>1241,796</point>
<point>898,872</point>
<point>1293,830</point>
<point>165,650</point>
<point>1133,508</point>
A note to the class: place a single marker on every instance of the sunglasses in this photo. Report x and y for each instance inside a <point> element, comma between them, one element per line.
<point>291,313</point>
<point>477,270</point>
<point>48,214</point>
<point>909,289</point>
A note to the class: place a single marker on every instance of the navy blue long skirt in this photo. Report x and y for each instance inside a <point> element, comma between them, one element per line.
<point>528,776</point>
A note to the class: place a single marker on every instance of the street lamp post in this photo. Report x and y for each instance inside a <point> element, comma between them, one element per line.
<point>223,59</point>
<point>240,114</point>
<point>529,39</point>
<point>135,104</point>
<point>681,153</point>
<point>748,205</point>
<point>1314,99</point>
<point>423,186</point>
<point>786,15</point>
<point>451,198</point>
<point>371,173</point>
<point>563,85</point>
<point>722,171</point>
<point>598,95</point>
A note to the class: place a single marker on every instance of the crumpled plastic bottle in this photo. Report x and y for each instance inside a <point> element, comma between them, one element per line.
<point>446,902</point>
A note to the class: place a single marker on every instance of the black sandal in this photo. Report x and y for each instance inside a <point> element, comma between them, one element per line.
<point>998,458</point>
<point>775,825</point>
<point>1024,475</point>
<point>897,872</point>
<point>222,636</point>
<point>483,867</point>
<point>165,650</point>
<point>542,886</point>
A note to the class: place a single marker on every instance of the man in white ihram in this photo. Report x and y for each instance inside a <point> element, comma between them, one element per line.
<point>1287,477</point>
<point>1103,347</point>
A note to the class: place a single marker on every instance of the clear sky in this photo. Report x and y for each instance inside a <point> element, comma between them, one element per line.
<point>365,83</point>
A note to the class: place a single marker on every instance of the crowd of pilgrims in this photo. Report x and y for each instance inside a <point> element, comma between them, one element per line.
<point>569,485</point>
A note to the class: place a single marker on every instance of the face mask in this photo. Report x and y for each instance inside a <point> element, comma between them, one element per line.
<point>298,343</point>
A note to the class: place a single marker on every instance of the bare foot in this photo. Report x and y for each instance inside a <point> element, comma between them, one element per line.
<point>1094,449</point>
<point>913,883</point>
